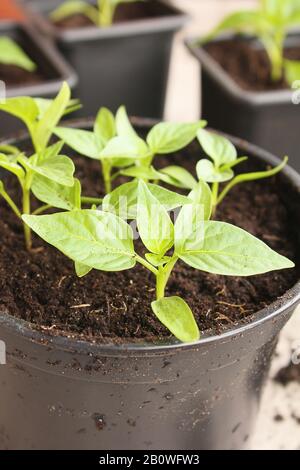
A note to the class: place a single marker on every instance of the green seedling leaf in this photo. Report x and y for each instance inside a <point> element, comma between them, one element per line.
<point>247,21</point>
<point>168,137</point>
<point>23,108</point>
<point>59,169</point>
<point>43,104</point>
<point>9,149</point>
<point>121,147</point>
<point>104,126</point>
<point>157,260</point>
<point>123,200</point>
<point>97,239</point>
<point>11,53</point>
<point>153,221</point>
<point>178,176</point>
<point>123,125</point>
<point>57,195</point>
<point>52,116</point>
<point>82,141</point>
<point>143,172</point>
<point>192,215</point>
<point>81,270</point>
<point>9,163</point>
<point>209,173</point>
<point>218,148</point>
<point>74,7</point>
<point>292,70</point>
<point>221,248</point>
<point>51,152</point>
<point>176,315</point>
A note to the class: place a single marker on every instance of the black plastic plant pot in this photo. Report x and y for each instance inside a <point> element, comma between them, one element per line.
<point>52,69</point>
<point>268,119</point>
<point>127,63</point>
<point>62,393</point>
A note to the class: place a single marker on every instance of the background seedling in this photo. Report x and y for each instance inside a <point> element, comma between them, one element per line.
<point>101,240</point>
<point>270,24</point>
<point>12,54</point>
<point>101,16</point>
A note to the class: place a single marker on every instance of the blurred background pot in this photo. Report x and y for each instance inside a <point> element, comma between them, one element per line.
<point>126,63</point>
<point>60,393</point>
<point>52,69</point>
<point>269,119</point>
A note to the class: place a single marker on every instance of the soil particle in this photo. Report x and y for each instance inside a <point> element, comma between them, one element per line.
<point>14,76</point>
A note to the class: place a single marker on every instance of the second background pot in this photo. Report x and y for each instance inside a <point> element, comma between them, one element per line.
<point>126,63</point>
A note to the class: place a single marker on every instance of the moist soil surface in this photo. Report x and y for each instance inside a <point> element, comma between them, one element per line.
<point>16,76</point>
<point>248,66</point>
<point>41,287</point>
<point>124,12</point>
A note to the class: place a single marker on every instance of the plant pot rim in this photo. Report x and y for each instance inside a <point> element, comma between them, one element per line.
<point>286,302</point>
<point>51,54</point>
<point>173,21</point>
<point>227,83</point>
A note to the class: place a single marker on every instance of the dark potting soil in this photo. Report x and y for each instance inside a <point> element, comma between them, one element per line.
<point>248,66</point>
<point>41,286</point>
<point>288,374</point>
<point>124,12</point>
<point>14,76</point>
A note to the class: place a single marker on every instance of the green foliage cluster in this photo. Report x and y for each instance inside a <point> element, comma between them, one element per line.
<point>102,238</point>
<point>270,23</point>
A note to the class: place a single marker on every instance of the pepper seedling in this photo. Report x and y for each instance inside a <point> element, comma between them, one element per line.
<point>220,169</point>
<point>12,54</point>
<point>101,15</point>
<point>116,144</point>
<point>39,115</point>
<point>48,175</point>
<point>103,241</point>
<point>270,24</point>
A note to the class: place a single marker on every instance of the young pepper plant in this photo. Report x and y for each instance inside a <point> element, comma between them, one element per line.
<point>220,169</point>
<point>115,143</point>
<point>270,23</point>
<point>101,15</point>
<point>44,169</point>
<point>39,115</point>
<point>103,241</point>
<point>12,54</point>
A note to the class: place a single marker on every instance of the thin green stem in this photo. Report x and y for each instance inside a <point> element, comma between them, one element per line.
<point>11,203</point>
<point>106,171</point>
<point>41,209</point>
<point>146,264</point>
<point>215,193</point>
<point>225,191</point>
<point>106,12</point>
<point>26,210</point>
<point>91,200</point>
<point>163,277</point>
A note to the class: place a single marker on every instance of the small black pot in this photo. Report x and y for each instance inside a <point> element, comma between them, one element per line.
<point>60,393</point>
<point>268,119</point>
<point>50,62</point>
<point>127,63</point>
